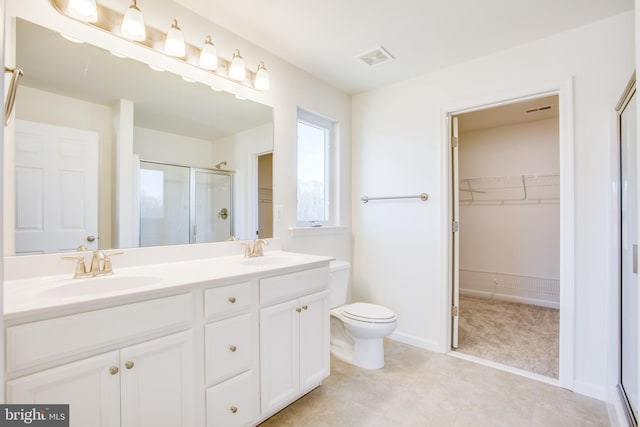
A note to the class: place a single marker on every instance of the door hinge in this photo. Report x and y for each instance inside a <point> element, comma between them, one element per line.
<point>454,311</point>
<point>455,226</point>
<point>454,142</point>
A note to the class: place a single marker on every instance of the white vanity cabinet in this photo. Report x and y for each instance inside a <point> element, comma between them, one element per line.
<point>231,354</point>
<point>294,336</point>
<point>151,382</point>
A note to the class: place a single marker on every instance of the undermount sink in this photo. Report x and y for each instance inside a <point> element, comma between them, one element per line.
<point>98,285</point>
<point>268,260</point>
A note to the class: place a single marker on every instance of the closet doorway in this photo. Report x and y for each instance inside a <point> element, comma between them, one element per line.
<point>506,261</point>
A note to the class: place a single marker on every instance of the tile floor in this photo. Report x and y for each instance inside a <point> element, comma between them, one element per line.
<point>421,388</point>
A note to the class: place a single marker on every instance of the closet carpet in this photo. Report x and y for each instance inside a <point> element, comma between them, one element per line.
<point>519,335</point>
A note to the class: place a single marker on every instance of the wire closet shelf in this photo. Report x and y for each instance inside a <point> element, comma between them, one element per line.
<point>513,189</point>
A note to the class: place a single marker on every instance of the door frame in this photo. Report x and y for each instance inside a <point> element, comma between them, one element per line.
<point>564,91</point>
<point>619,397</point>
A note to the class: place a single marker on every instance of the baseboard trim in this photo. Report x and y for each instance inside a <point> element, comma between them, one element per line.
<point>510,298</point>
<point>617,409</point>
<point>416,342</point>
<point>591,390</point>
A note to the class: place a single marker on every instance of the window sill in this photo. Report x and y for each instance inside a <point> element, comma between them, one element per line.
<point>316,231</point>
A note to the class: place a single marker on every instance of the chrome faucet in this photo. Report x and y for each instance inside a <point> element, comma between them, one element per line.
<point>257,247</point>
<point>100,264</point>
<point>256,251</point>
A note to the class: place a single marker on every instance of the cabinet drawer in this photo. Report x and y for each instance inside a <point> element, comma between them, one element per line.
<point>292,285</point>
<point>50,340</point>
<point>227,300</point>
<point>230,345</point>
<point>233,403</point>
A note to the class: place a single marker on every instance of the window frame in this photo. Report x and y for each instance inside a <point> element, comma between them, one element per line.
<point>329,126</point>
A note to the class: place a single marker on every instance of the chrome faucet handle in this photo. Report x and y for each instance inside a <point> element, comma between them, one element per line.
<point>257,247</point>
<point>247,249</point>
<point>107,267</point>
<point>81,267</point>
<point>96,260</point>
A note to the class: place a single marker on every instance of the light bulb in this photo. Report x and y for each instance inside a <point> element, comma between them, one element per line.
<point>208,55</point>
<point>174,44</point>
<point>133,24</point>
<point>261,81</point>
<point>84,10</point>
<point>237,70</point>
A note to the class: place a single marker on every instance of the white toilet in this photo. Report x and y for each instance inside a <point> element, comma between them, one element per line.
<point>356,329</point>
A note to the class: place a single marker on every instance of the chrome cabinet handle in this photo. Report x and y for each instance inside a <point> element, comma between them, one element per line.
<point>91,238</point>
<point>232,300</point>
<point>305,307</point>
<point>113,370</point>
<point>233,409</point>
<point>298,309</point>
<point>233,348</point>
<point>128,364</point>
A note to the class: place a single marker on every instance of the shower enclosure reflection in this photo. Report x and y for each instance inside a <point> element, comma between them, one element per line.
<point>180,204</point>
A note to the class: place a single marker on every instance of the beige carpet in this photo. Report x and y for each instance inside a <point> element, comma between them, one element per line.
<point>519,335</point>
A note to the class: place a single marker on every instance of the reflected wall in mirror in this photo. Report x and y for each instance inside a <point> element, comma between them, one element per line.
<point>135,111</point>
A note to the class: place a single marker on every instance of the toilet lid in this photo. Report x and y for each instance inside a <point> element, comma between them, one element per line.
<point>368,312</point>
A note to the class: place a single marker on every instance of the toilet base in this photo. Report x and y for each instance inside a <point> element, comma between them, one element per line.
<point>368,353</point>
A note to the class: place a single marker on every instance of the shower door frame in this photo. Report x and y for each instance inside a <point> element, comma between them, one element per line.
<point>564,91</point>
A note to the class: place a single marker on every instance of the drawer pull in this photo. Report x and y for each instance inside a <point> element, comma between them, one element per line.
<point>232,300</point>
<point>128,364</point>
<point>298,309</point>
<point>233,348</point>
<point>113,370</point>
<point>305,307</point>
<point>233,409</point>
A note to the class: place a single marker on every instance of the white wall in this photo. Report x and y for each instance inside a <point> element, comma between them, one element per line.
<point>401,250</point>
<point>515,238</point>
<point>158,146</point>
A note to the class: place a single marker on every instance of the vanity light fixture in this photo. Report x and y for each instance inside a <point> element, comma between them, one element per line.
<point>71,39</point>
<point>261,81</point>
<point>84,10</point>
<point>208,55</point>
<point>237,70</point>
<point>131,26</point>
<point>133,23</point>
<point>174,43</point>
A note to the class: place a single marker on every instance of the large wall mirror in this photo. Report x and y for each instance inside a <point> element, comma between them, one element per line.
<point>202,158</point>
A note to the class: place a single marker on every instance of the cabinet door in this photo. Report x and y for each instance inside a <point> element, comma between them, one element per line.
<point>314,339</point>
<point>89,386</point>
<point>279,345</point>
<point>158,381</point>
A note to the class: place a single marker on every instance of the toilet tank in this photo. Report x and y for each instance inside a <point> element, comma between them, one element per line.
<point>338,282</point>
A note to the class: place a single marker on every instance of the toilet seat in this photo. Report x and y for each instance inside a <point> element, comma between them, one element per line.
<point>370,313</point>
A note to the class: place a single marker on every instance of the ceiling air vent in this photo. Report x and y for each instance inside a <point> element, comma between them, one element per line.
<point>375,56</point>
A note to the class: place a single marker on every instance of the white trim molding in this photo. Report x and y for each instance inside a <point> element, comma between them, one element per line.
<point>564,90</point>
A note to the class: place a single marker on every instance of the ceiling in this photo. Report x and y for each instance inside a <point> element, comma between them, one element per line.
<point>324,37</point>
<point>530,110</point>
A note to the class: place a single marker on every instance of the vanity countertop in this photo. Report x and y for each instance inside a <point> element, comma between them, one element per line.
<point>46,296</point>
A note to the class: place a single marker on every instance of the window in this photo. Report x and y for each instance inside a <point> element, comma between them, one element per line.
<point>315,140</point>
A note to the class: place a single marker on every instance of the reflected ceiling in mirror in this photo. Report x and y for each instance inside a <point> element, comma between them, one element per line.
<point>163,101</point>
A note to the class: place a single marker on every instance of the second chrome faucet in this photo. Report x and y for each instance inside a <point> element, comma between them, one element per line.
<point>256,250</point>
